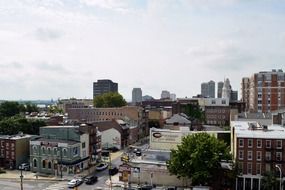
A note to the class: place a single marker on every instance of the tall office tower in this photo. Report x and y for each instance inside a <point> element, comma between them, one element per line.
<point>173,96</point>
<point>137,95</point>
<point>208,89</point>
<point>104,86</point>
<point>220,89</point>
<point>245,85</point>
<point>204,89</point>
<point>234,96</point>
<point>226,91</point>
<point>165,94</point>
<point>267,91</point>
<point>211,89</point>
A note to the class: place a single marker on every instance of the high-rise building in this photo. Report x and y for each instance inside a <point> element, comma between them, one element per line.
<point>204,89</point>
<point>234,95</point>
<point>165,94</point>
<point>208,89</point>
<point>104,86</point>
<point>173,96</point>
<point>245,91</point>
<point>220,89</point>
<point>226,91</point>
<point>137,95</point>
<point>266,91</point>
<point>211,89</point>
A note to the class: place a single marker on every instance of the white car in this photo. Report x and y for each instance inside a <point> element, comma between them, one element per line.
<point>101,166</point>
<point>75,182</point>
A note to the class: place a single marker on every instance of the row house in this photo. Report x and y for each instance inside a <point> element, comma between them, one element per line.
<point>14,150</point>
<point>60,149</point>
<point>257,149</point>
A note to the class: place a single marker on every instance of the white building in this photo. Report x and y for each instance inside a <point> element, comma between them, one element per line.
<point>165,94</point>
<point>137,95</point>
<point>226,92</point>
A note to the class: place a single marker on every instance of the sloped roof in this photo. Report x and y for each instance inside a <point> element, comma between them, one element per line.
<point>176,118</point>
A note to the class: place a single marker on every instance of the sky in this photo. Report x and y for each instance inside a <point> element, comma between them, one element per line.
<point>52,49</point>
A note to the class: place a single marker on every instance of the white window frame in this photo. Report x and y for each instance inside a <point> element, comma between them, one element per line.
<point>249,140</point>
<point>258,156</point>
<point>259,140</point>
<point>268,142</point>
<point>241,141</point>
<point>277,143</point>
<point>267,156</point>
<point>280,155</point>
<point>249,171</point>
<point>258,168</point>
<point>249,155</point>
<point>240,155</point>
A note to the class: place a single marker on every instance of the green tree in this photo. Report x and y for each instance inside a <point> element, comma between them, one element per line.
<point>111,99</point>
<point>269,181</point>
<point>198,158</point>
<point>194,112</point>
<point>9,109</point>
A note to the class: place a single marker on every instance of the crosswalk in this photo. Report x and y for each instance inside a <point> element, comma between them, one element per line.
<point>57,186</point>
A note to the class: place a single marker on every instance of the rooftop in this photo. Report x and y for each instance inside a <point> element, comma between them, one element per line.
<point>253,129</point>
<point>15,137</point>
<point>56,141</point>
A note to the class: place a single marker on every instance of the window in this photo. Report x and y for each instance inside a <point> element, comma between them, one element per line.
<point>83,145</point>
<point>249,143</point>
<point>43,164</point>
<point>268,143</point>
<point>279,144</point>
<point>249,168</point>
<point>64,152</point>
<point>258,168</point>
<point>43,150</point>
<point>240,167</point>
<point>49,164</point>
<point>48,150</point>
<point>258,155</point>
<point>2,143</point>
<point>267,167</point>
<point>259,143</point>
<point>34,149</point>
<point>240,155</point>
<point>54,151</point>
<point>2,152</point>
<point>268,156</point>
<point>240,143</point>
<point>223,101</point>
<point>249,155</point>
<point>35,163</point>
<point>213,101</point>
<point>279,156</point>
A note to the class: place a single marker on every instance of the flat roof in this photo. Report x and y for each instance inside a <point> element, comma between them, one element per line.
<point>15,137</point>
<point>252,129</point>
<point>56,141</point>
<point>61,126</point>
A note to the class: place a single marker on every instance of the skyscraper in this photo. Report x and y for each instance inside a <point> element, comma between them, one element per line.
<point>104,86</point>
<point>208,89</point>
<point>137,95</point>
<point>245,91</point>
<point>220,89</point>
<point>266,91</point>
<point>165,94</point>
<point>226,91</point>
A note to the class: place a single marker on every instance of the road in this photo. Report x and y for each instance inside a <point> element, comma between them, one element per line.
<point>103,176</point>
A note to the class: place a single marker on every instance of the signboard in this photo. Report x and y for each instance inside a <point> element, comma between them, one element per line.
<point>166,137</point>
<point>125,168</point>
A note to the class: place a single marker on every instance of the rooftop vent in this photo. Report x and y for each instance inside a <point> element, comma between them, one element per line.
<point>265,127</point>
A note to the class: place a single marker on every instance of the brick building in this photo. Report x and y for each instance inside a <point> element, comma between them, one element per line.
<point>257,149</point>
<point>14,150</point>
<point>266,91</point>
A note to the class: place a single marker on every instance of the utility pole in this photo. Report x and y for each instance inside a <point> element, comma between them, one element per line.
<point>21,177</point>
<point>60,162</point>
<point>110,166</point>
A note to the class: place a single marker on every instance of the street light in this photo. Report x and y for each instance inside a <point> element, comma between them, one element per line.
<point>280,176</point>
<point>21,177</point>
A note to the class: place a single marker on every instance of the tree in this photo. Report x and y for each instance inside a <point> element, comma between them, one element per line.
<point>9,109</point>
<point>198,157</point>
<point>269,181</point>
<point>111,99</point>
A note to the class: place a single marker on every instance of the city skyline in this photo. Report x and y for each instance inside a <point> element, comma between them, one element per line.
<point>57,49</point>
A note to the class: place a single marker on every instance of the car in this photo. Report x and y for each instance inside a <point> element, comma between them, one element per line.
<point>113,170</point>
<point>75,182</point>
<point>138,153</point>
<point>112,149</point>
<point>89,180</point>
<point>101,166</point>
<point>145,187</point>
<point>24,166</point>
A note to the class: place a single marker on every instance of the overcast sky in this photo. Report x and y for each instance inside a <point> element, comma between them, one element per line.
<point>58,48</point>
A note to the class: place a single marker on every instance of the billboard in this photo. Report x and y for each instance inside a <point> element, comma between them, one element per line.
<point>165,139</point>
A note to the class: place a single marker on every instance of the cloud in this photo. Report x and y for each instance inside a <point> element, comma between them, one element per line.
<point>115,5</point>
<point>47,34</point>
<point>44,66</point>
<point>12,65</point>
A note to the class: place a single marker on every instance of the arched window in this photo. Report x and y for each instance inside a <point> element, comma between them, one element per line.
<point>49,164</point>
<point>35,163</point>
<point>35,149</point>
<point>43,164</point>
<point>48,150</point>
<point>43,150</point>
<point>54,151</point>
<point>64,152</point>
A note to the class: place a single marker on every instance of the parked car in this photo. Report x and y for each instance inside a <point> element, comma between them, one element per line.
<point>113,170</point>
<point>112,149</point>
<point>138,153</point>
<point>101,166</point>
<point>24,166</point>
<point>75,182</point>
<point>145,187</point>
<point>89,180</point>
